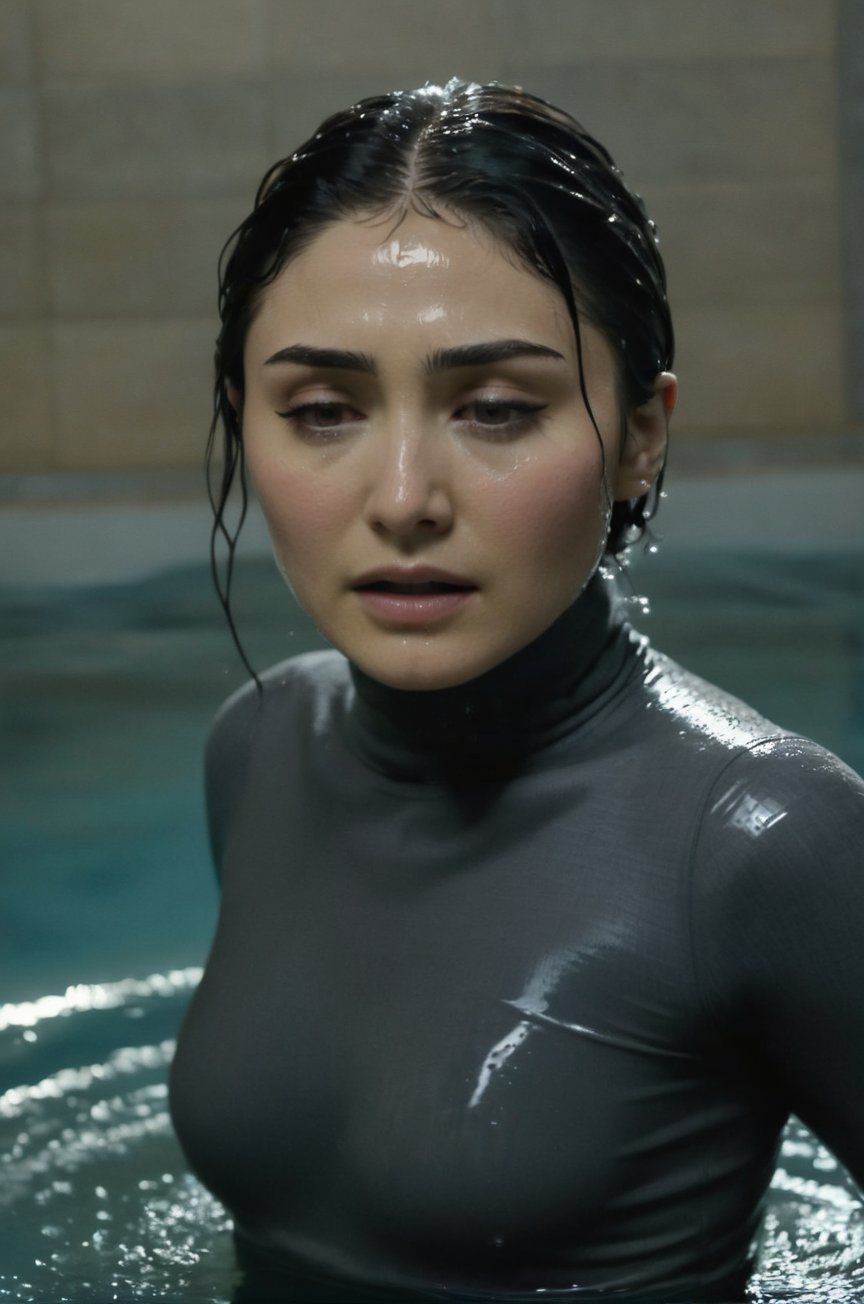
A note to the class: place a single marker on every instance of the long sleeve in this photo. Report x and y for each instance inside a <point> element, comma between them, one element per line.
<point>778,912</point>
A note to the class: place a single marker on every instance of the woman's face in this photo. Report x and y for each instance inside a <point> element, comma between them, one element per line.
<point>415,430</point>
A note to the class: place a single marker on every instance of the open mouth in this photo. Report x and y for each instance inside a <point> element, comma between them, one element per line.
<point>427,586</point>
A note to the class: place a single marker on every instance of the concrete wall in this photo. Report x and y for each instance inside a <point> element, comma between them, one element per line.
<point>133,132</point>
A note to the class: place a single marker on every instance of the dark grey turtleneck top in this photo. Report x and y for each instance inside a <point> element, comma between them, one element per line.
<point>515,984</point>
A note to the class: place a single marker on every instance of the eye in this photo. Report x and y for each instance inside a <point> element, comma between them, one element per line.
<point>497,418</point>
<point>322,420</point>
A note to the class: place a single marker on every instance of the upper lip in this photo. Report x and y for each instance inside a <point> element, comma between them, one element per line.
<point>408,575</point>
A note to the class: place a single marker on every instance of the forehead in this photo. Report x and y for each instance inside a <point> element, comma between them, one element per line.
<point>420,273</point>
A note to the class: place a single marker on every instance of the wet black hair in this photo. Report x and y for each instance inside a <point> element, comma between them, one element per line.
<point>525,170</point>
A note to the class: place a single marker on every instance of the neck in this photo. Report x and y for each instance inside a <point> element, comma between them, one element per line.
<point>489,725</point>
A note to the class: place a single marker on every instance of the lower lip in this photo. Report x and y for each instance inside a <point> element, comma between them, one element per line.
<point>413,608</point>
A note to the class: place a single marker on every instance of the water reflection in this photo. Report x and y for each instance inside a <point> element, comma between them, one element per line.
<point>95,1202</point>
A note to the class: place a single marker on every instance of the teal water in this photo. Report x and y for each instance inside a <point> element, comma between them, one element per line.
<point>107,901</point>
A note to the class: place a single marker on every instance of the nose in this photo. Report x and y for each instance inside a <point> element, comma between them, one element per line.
<point>409,493</point>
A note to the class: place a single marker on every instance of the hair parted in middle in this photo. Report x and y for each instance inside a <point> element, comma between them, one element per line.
<point>526,171</point>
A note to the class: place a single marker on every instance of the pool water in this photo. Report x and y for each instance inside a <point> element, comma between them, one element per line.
<point>107,901</point>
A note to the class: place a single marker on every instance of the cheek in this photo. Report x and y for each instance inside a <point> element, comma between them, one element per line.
<point>555,512</point>
<point>300,513</point>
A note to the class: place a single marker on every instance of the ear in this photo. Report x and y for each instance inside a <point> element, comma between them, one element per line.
<point>644,445</point>
<point>235,398</point>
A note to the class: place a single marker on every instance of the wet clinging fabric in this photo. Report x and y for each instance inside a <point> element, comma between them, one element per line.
<point>515,984</point>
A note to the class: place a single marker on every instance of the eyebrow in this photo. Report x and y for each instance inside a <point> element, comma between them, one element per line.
<point>478,355</point>
<point>463,355</point>
<point>305,355</point>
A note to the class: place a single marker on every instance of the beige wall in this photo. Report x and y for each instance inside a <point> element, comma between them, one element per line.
<point>134,131</point>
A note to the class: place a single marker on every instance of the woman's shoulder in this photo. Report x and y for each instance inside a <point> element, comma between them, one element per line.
<point>746,772</point>
<point>695,707</point>
<point>788,778</point>
<point>304,683</point>
<point>782,820</point>
<point>249,732</point>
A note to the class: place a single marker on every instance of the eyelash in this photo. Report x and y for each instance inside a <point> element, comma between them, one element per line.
<point>299,416</point>
<point>523,417</point>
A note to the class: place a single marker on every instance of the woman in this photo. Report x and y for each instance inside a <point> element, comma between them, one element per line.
<point>530,941</point>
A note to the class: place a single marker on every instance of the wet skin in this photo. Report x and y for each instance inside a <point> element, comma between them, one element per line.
<point>389,452</point>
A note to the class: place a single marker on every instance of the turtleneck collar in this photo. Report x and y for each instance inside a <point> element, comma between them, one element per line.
<point>488,726</point>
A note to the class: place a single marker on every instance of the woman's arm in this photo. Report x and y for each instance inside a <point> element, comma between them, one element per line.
<point>779,929</point>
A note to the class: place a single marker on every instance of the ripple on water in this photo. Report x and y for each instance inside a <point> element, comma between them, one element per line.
<point>96,1203</point>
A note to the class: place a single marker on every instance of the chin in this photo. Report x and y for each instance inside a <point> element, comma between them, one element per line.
<point>422,674</point>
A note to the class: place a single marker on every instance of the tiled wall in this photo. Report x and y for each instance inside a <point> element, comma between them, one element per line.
<point>132,133</point>
<point>851,135</point>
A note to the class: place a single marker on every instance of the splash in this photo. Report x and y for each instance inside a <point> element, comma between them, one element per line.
<point>97,1203</point>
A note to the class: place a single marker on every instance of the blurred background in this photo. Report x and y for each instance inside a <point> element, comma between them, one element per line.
<point>134,135</point>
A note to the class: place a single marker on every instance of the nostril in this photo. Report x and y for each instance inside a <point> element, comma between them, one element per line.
<point>407,523</point>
